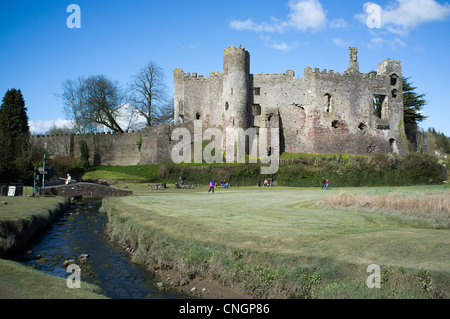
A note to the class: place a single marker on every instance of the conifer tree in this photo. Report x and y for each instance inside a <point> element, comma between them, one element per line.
<point>14,129</point>
<point>413,104</point>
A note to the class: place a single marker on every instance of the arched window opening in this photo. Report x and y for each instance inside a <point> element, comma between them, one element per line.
<point>394,79</point>
<point>380,106</point>
<point>393,145</point>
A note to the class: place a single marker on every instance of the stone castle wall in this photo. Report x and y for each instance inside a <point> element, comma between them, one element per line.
<point>323,112</point>
<point>112,148</point>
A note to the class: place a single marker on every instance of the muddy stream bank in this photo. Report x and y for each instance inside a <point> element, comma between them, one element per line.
<point>79,236</point>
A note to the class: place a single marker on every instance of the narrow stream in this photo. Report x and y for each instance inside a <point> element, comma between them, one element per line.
<point>82,231</point>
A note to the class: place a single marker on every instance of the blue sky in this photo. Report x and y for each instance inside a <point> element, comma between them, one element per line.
<point>117,38</point>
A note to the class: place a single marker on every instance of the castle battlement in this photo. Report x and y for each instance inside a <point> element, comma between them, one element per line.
<point>334,104</point>
<point>111,148</point>
<point>234,49</point>
<point>331,74</point>
<point>323,112</point>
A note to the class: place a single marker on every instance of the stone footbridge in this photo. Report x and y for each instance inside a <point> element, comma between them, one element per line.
<point>84,189</point>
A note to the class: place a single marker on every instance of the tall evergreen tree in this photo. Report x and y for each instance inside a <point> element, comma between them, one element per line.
<point>14,127</point>
<point>413,104</point>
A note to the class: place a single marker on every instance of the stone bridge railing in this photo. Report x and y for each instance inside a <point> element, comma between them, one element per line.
<point>84,189</point>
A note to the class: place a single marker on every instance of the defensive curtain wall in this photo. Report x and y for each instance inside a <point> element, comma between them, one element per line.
<point>113,148</point>
<point>323,112</point>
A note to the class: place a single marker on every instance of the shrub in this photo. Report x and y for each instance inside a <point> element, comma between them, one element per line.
<point>84,153</point>
<point>421,168</point>
<point>63,165</point>
<point>167,169</point>
<point>23,170</point>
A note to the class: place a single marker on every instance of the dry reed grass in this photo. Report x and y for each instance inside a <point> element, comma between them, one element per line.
<point>432,208</point>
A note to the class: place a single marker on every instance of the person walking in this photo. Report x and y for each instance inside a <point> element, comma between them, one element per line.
<point>323,182</point>
<point>211,186</point>
<point>328,184</point>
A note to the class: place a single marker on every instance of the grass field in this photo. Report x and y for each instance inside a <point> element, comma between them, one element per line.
<point>22,282</point>
<point>277,238</point>
<point>19,207</point>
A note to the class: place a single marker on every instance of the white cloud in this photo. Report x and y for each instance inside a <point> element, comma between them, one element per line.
<point>420,48</point>
<point>304,15</point>
<point>338,23</point>
<point>342,43</point>
<point>402,16</point>
<point>380,42</point>
<point>127,118</point>
<point>251,25</point>
<point>41,127</point>
<point>281,46</point>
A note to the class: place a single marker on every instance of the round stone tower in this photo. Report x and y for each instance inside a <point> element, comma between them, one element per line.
<point>236,87</point>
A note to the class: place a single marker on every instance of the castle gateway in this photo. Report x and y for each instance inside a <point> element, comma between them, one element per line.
<point>324,112</point>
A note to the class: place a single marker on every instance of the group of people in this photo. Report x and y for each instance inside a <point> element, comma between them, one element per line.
<point>267,182</point>
<point>270,182</point>
<point>325,183</point>
<point>223,184</point>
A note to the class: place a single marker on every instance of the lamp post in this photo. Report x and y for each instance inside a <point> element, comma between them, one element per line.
<point>43,173</point>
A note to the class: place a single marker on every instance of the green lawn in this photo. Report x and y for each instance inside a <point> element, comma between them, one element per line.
<point>21,282</point>
<point>137,173</point>
<point>284,224</point>
<point>18,207</point>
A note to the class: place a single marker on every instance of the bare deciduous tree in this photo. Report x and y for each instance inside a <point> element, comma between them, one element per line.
<point>148,94</point>
<point>104,101</point>
<point>74,98</point>
<point>93,103</point>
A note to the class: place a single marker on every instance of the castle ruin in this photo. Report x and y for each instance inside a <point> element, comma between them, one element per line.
<point>323,112</point>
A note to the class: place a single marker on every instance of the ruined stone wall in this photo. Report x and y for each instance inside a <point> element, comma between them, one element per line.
<point>322,112</point>
<point>197,97</point>
<point>326,112</point>
<point>112,148</point>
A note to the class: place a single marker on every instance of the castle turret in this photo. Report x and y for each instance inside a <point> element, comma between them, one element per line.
<point>390,71</point>
<point>178,98</point>
<point>236,73</point>
<point>353,60</point>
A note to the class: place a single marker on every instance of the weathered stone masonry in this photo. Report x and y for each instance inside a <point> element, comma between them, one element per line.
<point>323,112</point>
<point>113,148</point>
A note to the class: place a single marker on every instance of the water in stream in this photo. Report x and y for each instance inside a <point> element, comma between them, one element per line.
<point>81,231</point>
